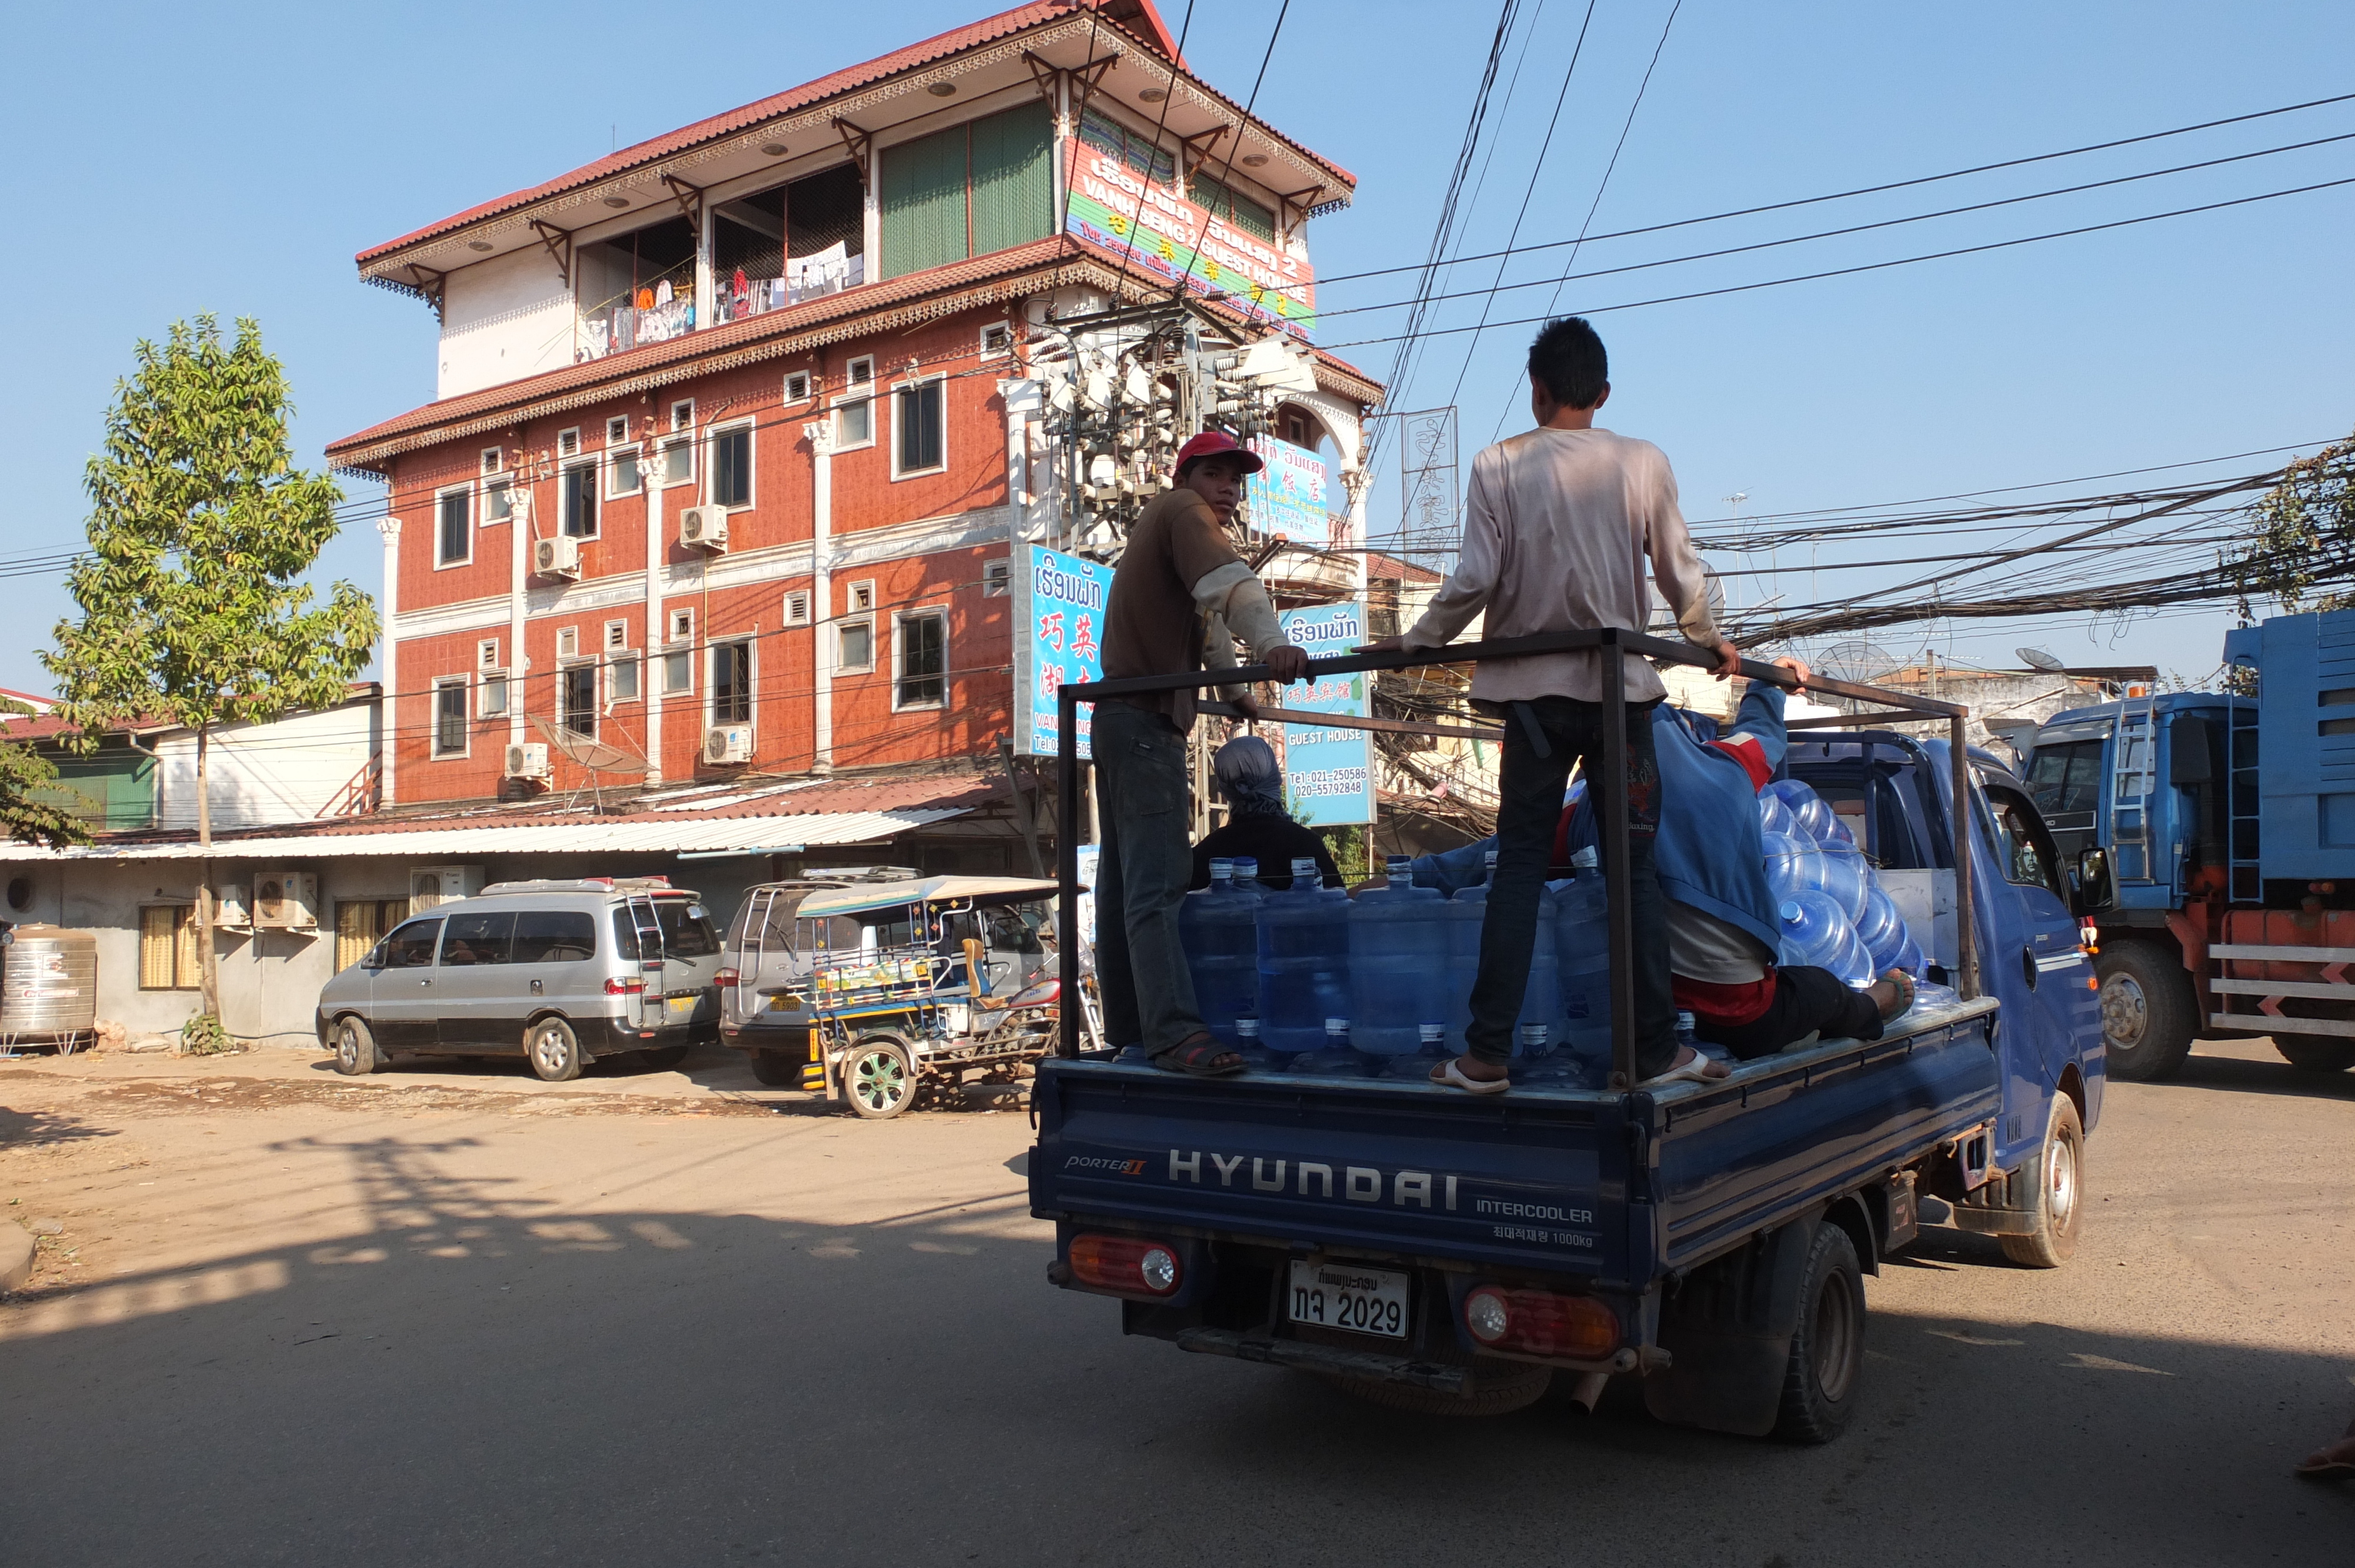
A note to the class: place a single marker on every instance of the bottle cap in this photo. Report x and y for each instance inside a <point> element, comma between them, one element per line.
<point>1304,866</point>
<point>1533,1034</point>
<point>1247,1027</point>
<point>1434,1033</point>
<point>1223,871</point>
<point>1246,867</point>
<point>1399,865</point>
<point>1490,860</point>
<point>1790,913</point>
<point>1336,1026</point>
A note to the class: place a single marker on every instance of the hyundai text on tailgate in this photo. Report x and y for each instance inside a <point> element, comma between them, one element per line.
<point>1444,1253</point>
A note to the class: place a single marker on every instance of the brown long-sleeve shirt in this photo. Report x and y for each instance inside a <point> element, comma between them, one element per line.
<point>1179,599</point>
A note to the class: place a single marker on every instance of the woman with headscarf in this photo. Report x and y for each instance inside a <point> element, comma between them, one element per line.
<point>1257,825</point>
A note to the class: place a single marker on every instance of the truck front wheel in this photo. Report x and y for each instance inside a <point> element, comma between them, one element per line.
<point>1819,1382</point>
<point>2059,1187</point>
<point>2149,1011</point>
<point>2316,1055</point>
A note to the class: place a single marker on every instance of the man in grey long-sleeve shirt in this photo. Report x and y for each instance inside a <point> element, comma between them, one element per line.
<point>1558,525</point>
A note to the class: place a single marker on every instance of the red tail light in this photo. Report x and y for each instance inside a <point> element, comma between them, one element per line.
<point>728,980</point>
<point>1127,1263</point>
<point>633,986</point>
<point>1540,1323</point>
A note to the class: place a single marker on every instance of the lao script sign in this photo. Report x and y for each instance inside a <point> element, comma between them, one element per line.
<point>1328,774</point>
<point>1167,233</point>
<point>1059,617</point>
<point>1287,496</point>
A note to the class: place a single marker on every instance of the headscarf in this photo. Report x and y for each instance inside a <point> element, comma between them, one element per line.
<point>1249,778</point>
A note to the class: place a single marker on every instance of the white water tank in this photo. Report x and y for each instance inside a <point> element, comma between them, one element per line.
<point>48,983</point>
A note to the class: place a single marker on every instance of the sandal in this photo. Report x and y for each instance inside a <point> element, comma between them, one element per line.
<point>1448,1075</point>
<point>1695,1071</point>
<point>1198,1056</point>
<point>1904,984</point>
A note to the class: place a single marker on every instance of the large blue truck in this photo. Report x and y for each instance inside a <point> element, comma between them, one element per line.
<point>1444,1253</point>
<point>2218,834</point>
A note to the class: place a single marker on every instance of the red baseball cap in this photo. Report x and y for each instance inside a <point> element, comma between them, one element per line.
<point>1217,443</point>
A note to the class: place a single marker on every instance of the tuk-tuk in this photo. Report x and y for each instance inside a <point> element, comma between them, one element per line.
<point>898,987</point>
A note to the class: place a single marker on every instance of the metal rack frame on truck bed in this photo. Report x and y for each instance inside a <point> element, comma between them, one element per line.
<point>1709,1238</point>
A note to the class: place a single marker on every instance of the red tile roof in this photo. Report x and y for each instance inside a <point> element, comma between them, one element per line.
<point>1137,18</point>
<point>866,309</point>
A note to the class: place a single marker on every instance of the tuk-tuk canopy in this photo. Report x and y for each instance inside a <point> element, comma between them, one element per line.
<point>924,890</point>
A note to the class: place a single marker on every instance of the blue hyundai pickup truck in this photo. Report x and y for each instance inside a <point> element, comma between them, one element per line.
<point>1438,1252</point>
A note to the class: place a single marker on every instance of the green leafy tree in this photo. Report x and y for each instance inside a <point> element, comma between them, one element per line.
<point>23,773</point>
<point>2302,550</point>
<point>199,525</point>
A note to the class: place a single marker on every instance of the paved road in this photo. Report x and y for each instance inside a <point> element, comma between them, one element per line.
<point>457,1320</point>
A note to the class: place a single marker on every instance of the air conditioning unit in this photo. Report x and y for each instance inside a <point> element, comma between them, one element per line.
<point>285,901</point>
<point>556,557</point>
<point>705,527</point>
<point>232,908</point>
<point>434,884</point>
<point>728,743</point>
<point>528,760</point>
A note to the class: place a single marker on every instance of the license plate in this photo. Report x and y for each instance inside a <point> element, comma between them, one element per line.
<point>1348,1296</point>
<point>680,1006</point>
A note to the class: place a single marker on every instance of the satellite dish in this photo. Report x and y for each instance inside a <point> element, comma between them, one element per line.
<point>2037,659</point>
<point>1858,662</point>
<point>596,756</point>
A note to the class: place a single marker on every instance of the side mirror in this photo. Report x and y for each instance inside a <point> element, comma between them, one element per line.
<point>2094,890</point>
<point>2187,751</point>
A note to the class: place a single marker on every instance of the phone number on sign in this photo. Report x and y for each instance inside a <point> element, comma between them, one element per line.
<point>1329,781</point>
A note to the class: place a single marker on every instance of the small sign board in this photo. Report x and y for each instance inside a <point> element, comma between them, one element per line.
<point>1328,774</point>
<point>1059,618</point>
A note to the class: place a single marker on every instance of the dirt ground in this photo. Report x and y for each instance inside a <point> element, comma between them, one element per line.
<point>460,1316</point>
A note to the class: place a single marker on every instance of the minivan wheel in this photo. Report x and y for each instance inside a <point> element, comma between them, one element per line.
<point>878,1080</point>
<point>356,1051</point>
<point>778,1069</point>
<point>554,1050</point>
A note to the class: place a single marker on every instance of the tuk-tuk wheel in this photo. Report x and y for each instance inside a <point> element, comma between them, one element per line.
<point>878,1080</point>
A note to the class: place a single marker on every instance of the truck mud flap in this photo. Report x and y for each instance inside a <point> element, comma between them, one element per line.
<point>1728,1330</point>
<point>1367,1364</point>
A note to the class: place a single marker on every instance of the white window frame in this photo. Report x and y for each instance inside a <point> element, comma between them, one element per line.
<point>857,387</point>
<point>501,486</point>
<point>596,690</point>
<point>568,442</point>
<point>596,496</point>
<point>467,728</point>
<point>669,444</point>
<point>494,461</point>
<point>797,606</point>
<point>466,490</point>
<point>842,664</point>
<point>617,635</point>
<point>613,459</point>
<point>486,655</point>
<point>682,416</point>
<point>568,642</point>
<point>859,598</point>
<point>752,467</point>
<point>680,656</point>
<point>914,383</point>
<point>1005,332</point>
<point>482,709</point>
<point>900,619</point>
<point>614,660</point>
<point>997,577</point>
<point>679,626</point>
<point>803,392</point>
<point>711,650</point>
<point>617,431</point>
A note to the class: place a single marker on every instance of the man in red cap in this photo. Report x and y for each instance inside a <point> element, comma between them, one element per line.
<point>1181,599</point>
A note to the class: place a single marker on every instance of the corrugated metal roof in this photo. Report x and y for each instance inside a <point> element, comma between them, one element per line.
<point>604,835</point>
<point>881,894</point>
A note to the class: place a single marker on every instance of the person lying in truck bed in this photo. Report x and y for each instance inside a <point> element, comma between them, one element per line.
<point>1723,928</point>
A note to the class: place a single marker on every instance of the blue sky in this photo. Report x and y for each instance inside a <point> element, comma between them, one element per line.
<point>232,159</point>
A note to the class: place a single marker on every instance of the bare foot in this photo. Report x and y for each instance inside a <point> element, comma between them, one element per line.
<point>1893,993</point>
<point>2335,1463</point>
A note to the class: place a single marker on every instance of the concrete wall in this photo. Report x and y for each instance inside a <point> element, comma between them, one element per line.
<point>503,319</point>
<point>266,774</point>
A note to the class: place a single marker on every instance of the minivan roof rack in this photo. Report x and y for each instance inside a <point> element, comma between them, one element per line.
<point>587,884</point>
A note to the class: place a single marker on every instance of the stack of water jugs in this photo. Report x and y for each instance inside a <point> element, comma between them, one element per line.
<point>1312,981</point>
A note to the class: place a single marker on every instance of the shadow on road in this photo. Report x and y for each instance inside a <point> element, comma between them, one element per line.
<point>2273,1075</point>
<point>40,1129</point>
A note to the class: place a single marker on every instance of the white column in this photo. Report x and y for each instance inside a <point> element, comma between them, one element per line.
<point>390,601</point>
<point>824,638</point>
<point>649,678</point>
<point>703,291</point>
<point>520,536</point>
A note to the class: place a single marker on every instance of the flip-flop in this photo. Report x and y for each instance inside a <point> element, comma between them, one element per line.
<point>1448,1075</point>
<point>1904,984</point>
<point>2328,1470</point>
<point>1198,1056</point>
<point>1695,1071</point>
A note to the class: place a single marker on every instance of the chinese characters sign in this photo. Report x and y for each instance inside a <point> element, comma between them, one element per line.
<point>1117,207</point>
<point>1328,776</point>
<point>1059,616</point>
<point>1287,496</point>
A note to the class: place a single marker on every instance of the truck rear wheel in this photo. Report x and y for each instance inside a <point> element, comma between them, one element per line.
<point>2059,1187</point>
<point>778,1069</point>
<point>2149,1011</point>
<point>879,1078</point>
<point>1499,1387</point>
<point>1819,1382</point>
<point>2317,1056</point>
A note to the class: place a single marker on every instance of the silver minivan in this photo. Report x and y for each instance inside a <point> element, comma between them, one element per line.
<point>558,972</point>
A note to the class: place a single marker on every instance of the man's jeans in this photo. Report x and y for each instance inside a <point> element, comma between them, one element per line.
<point>1142,808</point>
<point>1530,808</point>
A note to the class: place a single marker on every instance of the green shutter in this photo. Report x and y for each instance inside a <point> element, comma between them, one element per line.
<point>923,203</point>
<point>1013,187</point>
<point>1224,201</point>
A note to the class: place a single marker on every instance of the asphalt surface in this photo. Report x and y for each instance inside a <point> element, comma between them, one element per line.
<point>468,1320</point>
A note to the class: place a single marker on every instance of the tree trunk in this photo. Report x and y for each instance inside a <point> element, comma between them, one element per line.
<point>207,961</point>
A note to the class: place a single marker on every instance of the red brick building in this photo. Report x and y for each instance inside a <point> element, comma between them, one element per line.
<point>737,429</point>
